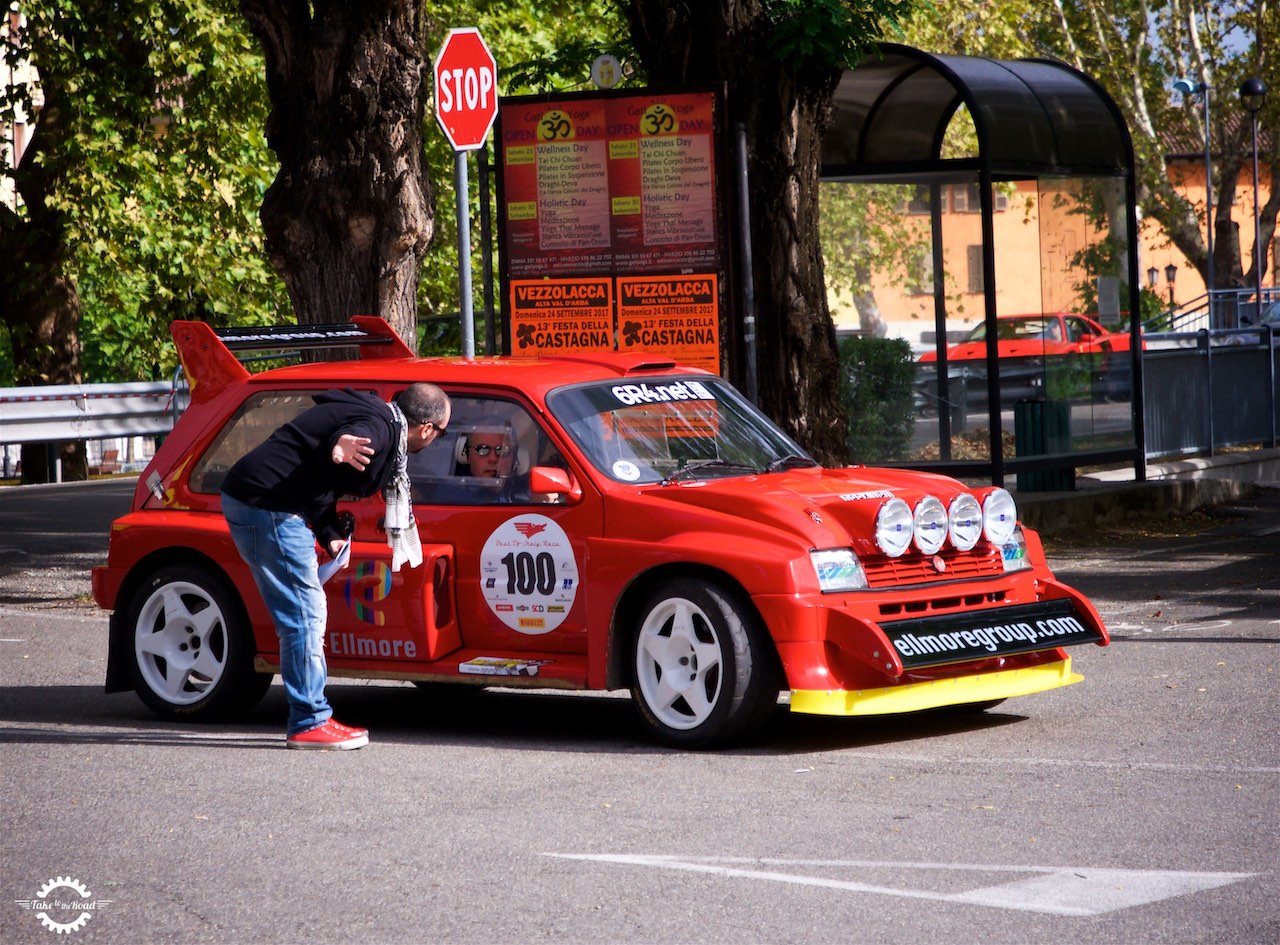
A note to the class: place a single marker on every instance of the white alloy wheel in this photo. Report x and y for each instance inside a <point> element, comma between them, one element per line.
<point>190,648</point>
<point>180,643</point>
<point>706,672</point>
<point>679,665</point>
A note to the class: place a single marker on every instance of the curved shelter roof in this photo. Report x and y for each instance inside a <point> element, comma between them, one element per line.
<point>1033,117</point>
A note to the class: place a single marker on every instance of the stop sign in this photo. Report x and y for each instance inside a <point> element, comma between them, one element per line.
<point>466,89</point>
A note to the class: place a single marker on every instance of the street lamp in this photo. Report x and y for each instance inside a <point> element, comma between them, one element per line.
<point>1252,94</point>
<point>1202,89</point>
<point>1153,276</point>
<point>1170,273</point>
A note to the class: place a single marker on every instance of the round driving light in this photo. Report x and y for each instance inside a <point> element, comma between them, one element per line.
<point>999,517</point>
<point>965,515</point>
<point>930,524</point>
<point>894,527</point>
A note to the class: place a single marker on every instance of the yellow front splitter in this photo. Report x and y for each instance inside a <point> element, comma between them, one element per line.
<point>911,697</point>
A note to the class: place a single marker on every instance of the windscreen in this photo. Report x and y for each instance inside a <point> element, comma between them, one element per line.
<point>692,427</point>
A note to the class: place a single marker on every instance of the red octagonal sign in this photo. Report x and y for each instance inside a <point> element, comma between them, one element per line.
<point>466,78</point>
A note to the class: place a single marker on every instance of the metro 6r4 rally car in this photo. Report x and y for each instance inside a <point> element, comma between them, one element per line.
<point>650,530</point>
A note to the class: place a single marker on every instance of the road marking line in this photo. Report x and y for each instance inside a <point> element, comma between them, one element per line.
<point>1070,763</point>
<point>1064,891</point>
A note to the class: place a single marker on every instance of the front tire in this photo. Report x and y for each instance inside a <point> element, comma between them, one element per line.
<point>190,647</point>
<point>706,674</point>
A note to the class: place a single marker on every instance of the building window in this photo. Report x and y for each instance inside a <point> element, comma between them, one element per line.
<point>974,256</point>
<point>965,198</point>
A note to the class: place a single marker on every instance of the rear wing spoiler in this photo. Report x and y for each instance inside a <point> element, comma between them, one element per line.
<point>209,358</point>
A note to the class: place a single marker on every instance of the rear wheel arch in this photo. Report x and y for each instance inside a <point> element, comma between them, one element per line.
<point>187,643</point>
<point>121,644</point>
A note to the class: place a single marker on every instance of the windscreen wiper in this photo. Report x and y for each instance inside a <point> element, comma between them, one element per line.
<point>790,461</point>
<point>689,469</point>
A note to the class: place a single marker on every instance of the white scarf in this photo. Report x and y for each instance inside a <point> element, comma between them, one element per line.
<point>402,530</point>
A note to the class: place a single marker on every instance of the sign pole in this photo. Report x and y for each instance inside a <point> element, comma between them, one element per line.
<point>466,87</point>
<point>461,186</point>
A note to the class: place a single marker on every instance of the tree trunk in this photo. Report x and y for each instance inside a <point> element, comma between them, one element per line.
<point>870,319</point>
<point>39,303</point>
<point>785,112</point>
<point>350,215</point>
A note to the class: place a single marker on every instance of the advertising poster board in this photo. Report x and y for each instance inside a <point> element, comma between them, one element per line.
<point>610,222</point>
<point>556,316</point>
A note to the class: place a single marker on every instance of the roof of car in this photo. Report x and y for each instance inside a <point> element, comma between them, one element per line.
<point>211,363</point>
<point>524,373</point>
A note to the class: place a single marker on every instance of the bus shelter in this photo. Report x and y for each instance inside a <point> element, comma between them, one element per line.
<point>995,226</point>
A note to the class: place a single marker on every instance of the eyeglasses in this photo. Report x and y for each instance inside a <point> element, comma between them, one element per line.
<point>485,449</point>
<point>440,428</point>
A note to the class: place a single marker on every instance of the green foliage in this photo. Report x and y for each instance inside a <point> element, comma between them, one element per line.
<point>830,34</point>
<point>165,167</point>
<point>864,231</point>
<point>1154,311</point>
<point>877,376</point>
<point>550,50</point>
<point>6,360</point>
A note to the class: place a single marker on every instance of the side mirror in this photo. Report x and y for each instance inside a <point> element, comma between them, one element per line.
<point>554,481</point>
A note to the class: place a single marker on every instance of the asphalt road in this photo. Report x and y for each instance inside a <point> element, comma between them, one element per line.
<point>1137,807</point>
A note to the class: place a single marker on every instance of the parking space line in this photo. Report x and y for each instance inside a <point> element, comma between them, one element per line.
<point>1065,891</point>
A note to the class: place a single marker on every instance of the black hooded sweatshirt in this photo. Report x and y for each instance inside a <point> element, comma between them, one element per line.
<point>294,471</point>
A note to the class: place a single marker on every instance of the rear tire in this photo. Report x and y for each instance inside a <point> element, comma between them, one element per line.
<point>189,646</point>
<point>706,673</point>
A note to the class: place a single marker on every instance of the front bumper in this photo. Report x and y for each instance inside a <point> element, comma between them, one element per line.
<point>954,690</point>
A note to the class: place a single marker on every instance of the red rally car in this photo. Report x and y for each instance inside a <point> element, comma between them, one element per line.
<point>653,531</point>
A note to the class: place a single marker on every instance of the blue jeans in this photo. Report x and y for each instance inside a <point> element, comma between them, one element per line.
<point>280,550</point>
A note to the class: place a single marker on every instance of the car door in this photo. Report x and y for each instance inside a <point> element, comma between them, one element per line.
<point>519,559</point>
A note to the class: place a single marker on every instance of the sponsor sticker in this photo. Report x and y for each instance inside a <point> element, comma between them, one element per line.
<point>500,666</point>
<point>528,574</point>
<point>633,394</point>
<point>932,641</point>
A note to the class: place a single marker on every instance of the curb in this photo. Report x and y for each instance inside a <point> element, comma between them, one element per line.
<point>1054,512</point>
<point>1112,496</point>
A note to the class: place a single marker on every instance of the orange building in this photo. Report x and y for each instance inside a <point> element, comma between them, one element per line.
<point>1040,234</point>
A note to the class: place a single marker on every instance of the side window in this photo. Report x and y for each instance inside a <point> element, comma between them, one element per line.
<point>484,458</point>
<point>1079,330</point>
<point>256,420</point>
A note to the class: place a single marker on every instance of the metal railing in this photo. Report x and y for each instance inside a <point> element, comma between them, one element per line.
<point>1222,309</point>
<point>89,411</point>
<point>1203,390</point>
<point>1207,390</point>
<point>96,413</point>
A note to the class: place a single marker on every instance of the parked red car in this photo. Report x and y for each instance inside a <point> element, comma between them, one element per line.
<point>1032,351</point>
<point>1023,336</point>
<point>658,533</point>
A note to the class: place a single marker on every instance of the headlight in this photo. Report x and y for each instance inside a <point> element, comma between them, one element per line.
<point>965,521</point>
<point>838,569</point>
<point>1014,552</point>
<point>999,517</point>
<point>930,522</point>
<point>894,527</point>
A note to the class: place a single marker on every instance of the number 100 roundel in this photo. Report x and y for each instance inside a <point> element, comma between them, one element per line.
<point>529,574</point>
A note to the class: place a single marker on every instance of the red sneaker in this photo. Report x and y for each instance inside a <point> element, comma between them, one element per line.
<point>329,736</point>
<point>348,729</point>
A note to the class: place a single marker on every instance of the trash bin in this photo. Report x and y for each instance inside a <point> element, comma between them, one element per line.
<point>1041,427</point>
